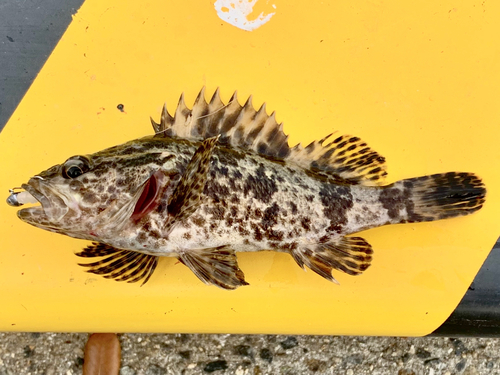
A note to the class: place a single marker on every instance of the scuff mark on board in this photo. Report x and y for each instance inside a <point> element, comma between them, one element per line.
<point>239,13</point>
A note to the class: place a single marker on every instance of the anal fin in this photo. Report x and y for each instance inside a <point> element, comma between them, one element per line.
<point>217,266</point>
<point>351,255</point>
<point>118,264</point>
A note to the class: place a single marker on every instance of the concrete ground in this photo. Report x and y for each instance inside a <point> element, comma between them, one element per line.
<point>156,354</point>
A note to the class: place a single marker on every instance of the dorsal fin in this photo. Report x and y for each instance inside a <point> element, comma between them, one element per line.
<point>243,127</point>
<point>345,156</point>
<point>238,126</point>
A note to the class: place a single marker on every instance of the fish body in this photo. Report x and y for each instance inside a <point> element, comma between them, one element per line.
<point>220,178</point>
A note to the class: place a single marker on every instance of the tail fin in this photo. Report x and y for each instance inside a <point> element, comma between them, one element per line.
<point>442,196</point>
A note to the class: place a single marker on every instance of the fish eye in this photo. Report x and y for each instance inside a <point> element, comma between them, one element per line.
<point>75,166</point>
<point>74,171</point>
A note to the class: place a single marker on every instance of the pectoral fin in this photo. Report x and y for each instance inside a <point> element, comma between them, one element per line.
<point>121,265</point>
<point>351,255</point>
<point>187,194</point>
<point>217,266</point>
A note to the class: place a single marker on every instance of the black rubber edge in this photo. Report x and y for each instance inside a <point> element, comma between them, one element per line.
<point>478,314</point>
<point>29,31</point>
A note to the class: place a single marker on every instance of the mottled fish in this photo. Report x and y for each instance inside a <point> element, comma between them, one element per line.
<point>221,178</point>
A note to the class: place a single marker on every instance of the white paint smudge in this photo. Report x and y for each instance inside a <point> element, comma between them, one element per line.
<point>236,12</point>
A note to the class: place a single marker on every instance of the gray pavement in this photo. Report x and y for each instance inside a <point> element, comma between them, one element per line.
<point>29,31</point>
<point>156,354</point>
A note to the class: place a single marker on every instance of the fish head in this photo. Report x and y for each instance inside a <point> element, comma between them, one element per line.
<point>58,190</point>
<point>98,196</point>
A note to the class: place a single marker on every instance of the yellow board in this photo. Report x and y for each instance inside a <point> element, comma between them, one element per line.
<point>418,81</point>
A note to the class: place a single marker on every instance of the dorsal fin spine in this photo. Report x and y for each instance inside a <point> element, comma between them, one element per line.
<point>231,112</point>
<point>248,103</point>
<point>156,126</point>
<point>200,116</point>
<point>234,97</point>
<point>181,116</point>
<point>262,111</point>
<point>260,119</point>
<point>244,116</point>
<point>166,119</point>
<point>201,96</point>
<point>216,100</point>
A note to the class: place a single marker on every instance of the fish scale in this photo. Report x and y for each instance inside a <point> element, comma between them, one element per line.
<point>221,178</point>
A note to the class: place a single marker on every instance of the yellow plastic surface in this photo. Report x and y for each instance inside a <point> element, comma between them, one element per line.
<point>418,81</point>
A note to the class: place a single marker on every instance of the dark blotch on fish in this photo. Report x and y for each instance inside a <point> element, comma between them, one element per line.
<point>260,186</point>
<point>336,200</point>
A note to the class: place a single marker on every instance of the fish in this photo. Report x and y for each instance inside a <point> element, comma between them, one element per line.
<point>221,178</point>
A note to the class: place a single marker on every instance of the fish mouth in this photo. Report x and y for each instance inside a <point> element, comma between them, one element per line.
<point>29,195</point>
<point>47,205</point>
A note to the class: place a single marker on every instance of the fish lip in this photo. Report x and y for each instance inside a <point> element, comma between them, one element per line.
<point>42,199</point>
<point>53,201</point>
<point>34,192</point>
